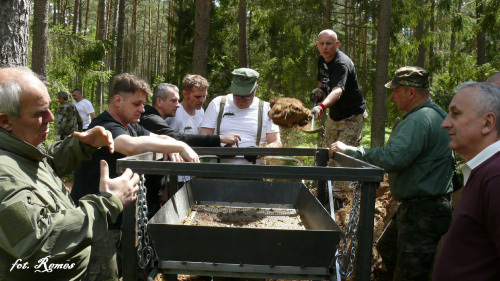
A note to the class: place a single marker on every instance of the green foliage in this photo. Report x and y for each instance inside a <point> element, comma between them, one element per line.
<point>74,61</point>
<point>182,55</point>
<point>281,44</point>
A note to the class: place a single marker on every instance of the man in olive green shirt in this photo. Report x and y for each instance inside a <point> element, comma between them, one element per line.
<point>43,234</point>
<point>420,169</point>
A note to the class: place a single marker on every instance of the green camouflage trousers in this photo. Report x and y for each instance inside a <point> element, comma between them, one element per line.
<point>409,242</point>
<point>350,132</point>
<point>103,265</point>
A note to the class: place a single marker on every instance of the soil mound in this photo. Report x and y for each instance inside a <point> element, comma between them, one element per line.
<point>289,112</point>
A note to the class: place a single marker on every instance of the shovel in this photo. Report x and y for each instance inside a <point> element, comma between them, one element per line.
<point>315,99</point>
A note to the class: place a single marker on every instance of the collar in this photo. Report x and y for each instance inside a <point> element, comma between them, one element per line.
<point>482,156</point>
<point>425,103</point>
<point>19,147</point>
<point>151,109</point>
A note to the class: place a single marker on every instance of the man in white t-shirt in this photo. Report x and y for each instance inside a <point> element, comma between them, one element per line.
<point>187,119</point>
<point>240,114</point>
<point>84,107</point>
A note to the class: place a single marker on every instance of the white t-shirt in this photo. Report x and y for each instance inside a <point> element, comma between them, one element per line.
<point>184,123</point>
<point>85,108</point>
<point>240,121</point>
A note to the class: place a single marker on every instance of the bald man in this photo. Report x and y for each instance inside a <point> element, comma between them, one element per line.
<point>495,79</point>
<point>338,80</point>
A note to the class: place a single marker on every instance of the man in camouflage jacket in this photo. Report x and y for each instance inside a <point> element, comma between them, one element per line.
<point>43,234</point>
<point>68,119</point>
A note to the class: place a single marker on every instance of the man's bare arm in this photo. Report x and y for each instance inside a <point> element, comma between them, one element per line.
<point>207,131</point>
<point>332,97</point>
<point>273,140</point>
<point>128,145</point>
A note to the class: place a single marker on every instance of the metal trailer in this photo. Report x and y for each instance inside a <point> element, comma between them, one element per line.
<point>174,244</point>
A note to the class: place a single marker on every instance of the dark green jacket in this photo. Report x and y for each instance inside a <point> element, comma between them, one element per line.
<point>40,225</point>
<point>416,157</point>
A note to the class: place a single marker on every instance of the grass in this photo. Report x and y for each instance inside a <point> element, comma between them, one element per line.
<point>367,135</point>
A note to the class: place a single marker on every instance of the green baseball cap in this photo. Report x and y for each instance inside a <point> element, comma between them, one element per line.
<point>412,76</point>
<point>244,81</point>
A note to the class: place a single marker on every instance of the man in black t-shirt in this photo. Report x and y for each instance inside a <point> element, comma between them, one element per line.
<point>126,104</point>
<point>338,80</point>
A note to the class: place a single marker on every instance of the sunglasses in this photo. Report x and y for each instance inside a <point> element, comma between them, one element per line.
<point>244,97</point>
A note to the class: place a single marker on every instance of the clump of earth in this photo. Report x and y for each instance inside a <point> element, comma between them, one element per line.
<point>289,112</point>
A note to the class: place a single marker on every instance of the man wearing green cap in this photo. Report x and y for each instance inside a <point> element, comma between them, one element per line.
<point>242,113</point>
<point>420,169</point>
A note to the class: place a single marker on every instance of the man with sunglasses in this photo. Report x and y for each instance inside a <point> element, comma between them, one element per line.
<point>242,113</point>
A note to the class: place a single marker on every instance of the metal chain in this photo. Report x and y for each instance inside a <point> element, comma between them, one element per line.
<point>350,235</point>
<point>144,249</point>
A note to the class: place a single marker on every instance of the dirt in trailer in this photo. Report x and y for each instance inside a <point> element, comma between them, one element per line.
<point>385,206</point>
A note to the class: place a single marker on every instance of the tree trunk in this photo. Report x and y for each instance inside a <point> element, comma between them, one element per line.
<point>76,14</point>
<point>366,20</point>
<point>143,48</point>
<point>327,11</point>
<point>481,37</point>
<point>453,39</point>
<point>159,55</point>
<point>40,30</point>
<point>80,14</point>
<point>379,95</point>
<point>86,18</point>
<point>14,32</point>
<point>170,35</point>
<point>421,43</point>
<point>54,15</point>
<point>133,38</point>
<point>112,37</point>
<point>108,19</point>
<point>242,34</point>
<point>150,44</point>
<point>101,36</point>
<point>346,28</point>
<point>158,34</point>
<point>120,38</point>
<point>432,27</point>
<point>64,4</point>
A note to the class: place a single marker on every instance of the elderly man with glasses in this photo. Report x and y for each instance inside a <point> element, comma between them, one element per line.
<point>242,113</point>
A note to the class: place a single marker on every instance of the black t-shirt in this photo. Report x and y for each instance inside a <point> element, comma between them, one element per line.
<point>88,175</point>
<point>340,72</point>
<point>153,122</point>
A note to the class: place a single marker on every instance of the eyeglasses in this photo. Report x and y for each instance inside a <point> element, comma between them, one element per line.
<point>244,97</point>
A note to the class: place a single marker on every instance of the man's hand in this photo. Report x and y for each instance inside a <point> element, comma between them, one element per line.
<point>124,187</point>
<point>337,147</point>
<point>318,110</point>
<point>317,95</point>
<point>188,154</point>
<point>230,139</point>
<point>174,157</point>
<point>96,137</point>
